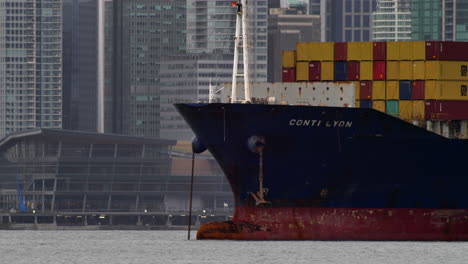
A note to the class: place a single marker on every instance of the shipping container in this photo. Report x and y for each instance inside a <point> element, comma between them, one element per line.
<point>314,71</point>
<point>405,90</point>
<point>336,94</point>
<point>328,51</point>
<point>340,71</point>
<point>366,50</point>
<point>393,51</point>
<point>302,71</point>
<point>391,107</point>
<point>419,50</point>
<point>365,70</point>
<point>327,71</point>
<point>354,51</point>
<point>446,110</point>
<point>378,90</point>
<point>446,70</point>
<point>341,51</point>
<point>418,70</point>
<point>289,58</point>
<point>446,90</point>
<point>446,50</point>
<point>352,70</point>
<point>357,104</point>
<point>405,69</point>
<point>405,50</point>
<point>393,70</point>
<point>392,90</point>
<point>380,51</point>
<point>379,105</point>
<point>357,89</point>
<point>405,109</point>
<point>379,70</point>
<point>418,109</point>
<point>365,103</point>
<point>289,74</point>
<point>365,91</point>
<point>417,90</point>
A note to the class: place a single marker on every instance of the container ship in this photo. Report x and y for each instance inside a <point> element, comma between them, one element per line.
<point>362,141</point>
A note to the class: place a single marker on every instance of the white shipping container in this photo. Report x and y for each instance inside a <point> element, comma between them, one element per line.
<point>340,94</point>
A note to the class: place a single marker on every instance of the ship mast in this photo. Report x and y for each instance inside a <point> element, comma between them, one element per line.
<point>241,16</point>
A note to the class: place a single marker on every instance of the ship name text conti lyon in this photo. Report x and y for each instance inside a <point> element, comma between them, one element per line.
<point>320,123</point>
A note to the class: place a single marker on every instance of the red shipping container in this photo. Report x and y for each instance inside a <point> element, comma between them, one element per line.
<point>341,51</point>
<point>446,50</point>
<point>379,51</point>
<point>353,70</point>
<point>379,70</point>
<point>417,90</point>
<point>446,110</point>
<point>289,74</point>
<point>314,70</point>
<point>365,90</point>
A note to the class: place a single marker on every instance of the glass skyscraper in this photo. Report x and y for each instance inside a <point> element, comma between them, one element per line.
<point>30,65</point>
<point>142,32</point>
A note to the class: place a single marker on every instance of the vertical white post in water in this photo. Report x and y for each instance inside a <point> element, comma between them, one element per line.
<point>236,54</point>
<point>100,68</point>
<point>245,46</point>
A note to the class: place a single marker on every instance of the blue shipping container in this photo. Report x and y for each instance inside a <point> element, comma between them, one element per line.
<point>341,73</point>
<point>366,104</point>
<point>405,90</point>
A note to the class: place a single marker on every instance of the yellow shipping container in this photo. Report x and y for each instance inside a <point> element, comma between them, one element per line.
<point>405,50</point>
<point>446,90</point>
<point>392,90</point>
<point>446,70</point>
<point>406,109</point>
<point>327,71</point>
<point>418,70</point>
<point>302,71</point>
<point>315,51</point>
<point>289,58</point>
<point>357,90</point>
<point>405,70</point>
<point>357,104</point>
<point>379,105</point>
<point>378,90</point>
<point>419,107</point>
<point>328,51</point>
<point>393,72</point>
<point>393,50</point>
<point>419,50</point>
<point>366,70</point>
<point>354,51</point>
<point>366,51</point>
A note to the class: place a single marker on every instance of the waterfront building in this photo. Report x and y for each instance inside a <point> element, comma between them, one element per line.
<point>79,178</point>
<point>30,65</point>
<point>392,20</point>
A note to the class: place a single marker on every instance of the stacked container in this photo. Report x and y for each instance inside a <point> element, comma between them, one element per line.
<point>412,80</point>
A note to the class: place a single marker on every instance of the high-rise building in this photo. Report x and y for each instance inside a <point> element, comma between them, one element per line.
<point>142,32</point>
<point>286,27</point>
<point>392,20</point>
<point>80,63</point>
<point>439,20</point>
<point>30,65</point>
<point>346,20</point>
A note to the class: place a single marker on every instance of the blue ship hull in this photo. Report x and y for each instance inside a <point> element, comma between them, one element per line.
<point>307,157</point>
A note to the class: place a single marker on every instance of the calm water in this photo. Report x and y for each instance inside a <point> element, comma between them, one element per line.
<point>108,247</point>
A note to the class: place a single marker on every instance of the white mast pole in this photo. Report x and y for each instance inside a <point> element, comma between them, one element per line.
<point>100,68</point>
<point>245,47</point>
<point>236,54</point>
<point>210,93</point>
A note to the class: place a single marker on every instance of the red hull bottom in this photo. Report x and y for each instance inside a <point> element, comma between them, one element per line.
<point>302,223</point>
